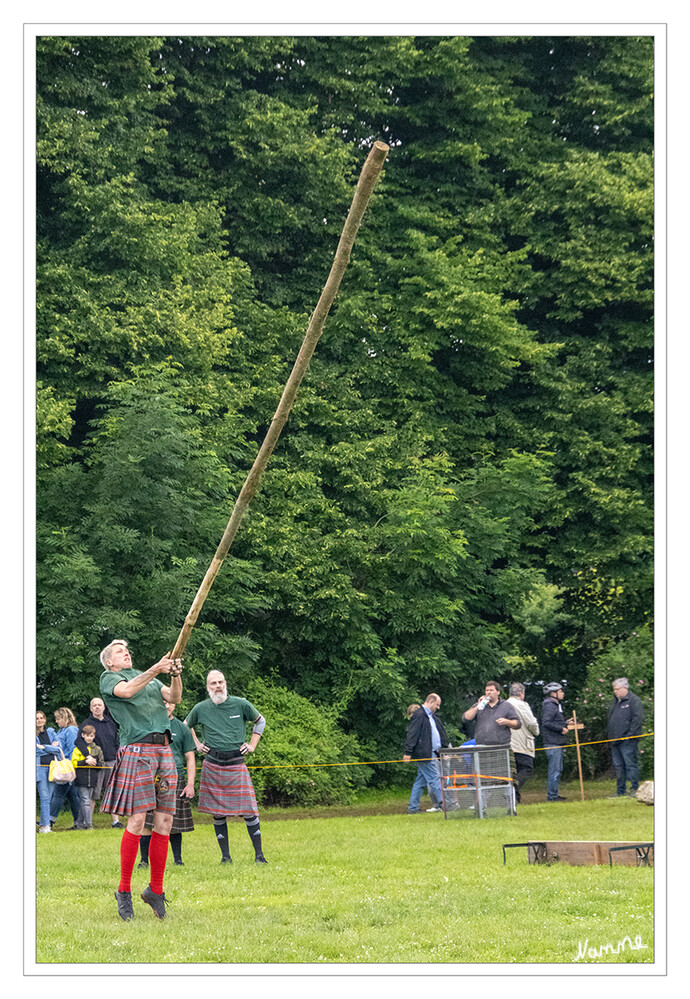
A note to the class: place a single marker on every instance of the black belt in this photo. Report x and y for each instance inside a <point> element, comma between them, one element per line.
<point>224,757</point>
<point>156,739</point>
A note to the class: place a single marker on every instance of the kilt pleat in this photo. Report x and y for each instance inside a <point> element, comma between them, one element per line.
<point>144,778</point>
<point>226,790</point>
<point>183,820</point>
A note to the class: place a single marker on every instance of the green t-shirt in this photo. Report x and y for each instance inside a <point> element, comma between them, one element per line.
<point>139,715</point>
<point>182,741</point>
<point>225,725</point>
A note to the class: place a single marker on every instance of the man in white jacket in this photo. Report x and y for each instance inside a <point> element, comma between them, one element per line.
<point>522,739</point>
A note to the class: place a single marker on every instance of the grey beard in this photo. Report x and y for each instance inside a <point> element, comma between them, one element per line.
<point>218,698</point>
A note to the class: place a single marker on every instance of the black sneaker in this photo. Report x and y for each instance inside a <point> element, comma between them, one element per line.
<point>117,825</point>
<point>142,864</point>
<point>260,859</point>
<point>124,905</point>
<point>179,863</point>
<point>226,860</point>
<point>157,902</point>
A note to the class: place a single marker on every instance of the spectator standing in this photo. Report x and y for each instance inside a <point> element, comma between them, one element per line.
<point>86,768</point>
<point>554,729</point>
<point>108,739</point>
<point>522,739</point>
<point>47,749</point>
<point>182,745</point>
<point>625,719</point>
<point>66,736</point>
<point>436,806</point>
<point>494,717</point>
<point>425,736</point>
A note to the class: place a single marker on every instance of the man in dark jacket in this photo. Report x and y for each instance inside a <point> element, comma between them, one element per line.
<point>554,730</point>
<point>425,736</point>
<point>108,739</point>
<point>626,715</point>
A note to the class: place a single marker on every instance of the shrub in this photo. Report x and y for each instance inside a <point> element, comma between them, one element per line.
<point>299,732</point>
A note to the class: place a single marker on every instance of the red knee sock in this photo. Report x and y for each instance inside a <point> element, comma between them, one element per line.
<point>129,845</point>
<point>158,855</point>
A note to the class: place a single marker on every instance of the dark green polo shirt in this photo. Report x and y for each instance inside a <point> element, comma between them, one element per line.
<point>139,715</point>
<point>182,742</point>
<point>224,725</point>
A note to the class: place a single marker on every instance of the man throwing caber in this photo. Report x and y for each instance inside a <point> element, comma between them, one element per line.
<point>144,777</point>
<point>226,787</point>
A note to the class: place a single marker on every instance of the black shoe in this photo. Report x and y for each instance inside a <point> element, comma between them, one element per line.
<point>72,828</point>
<point>179,863</point>
<point>558,797</point>
<point>260,859</point>
<point>117,825</point>
<point>157,902</point>
<point>143,863</point>
<point>226,860</point>
<point>124,905</point>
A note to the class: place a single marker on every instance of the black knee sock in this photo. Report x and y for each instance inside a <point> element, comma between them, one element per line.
<point>254,830</point>
<point>144,843</point>
<point>176,846</point>
<point>220,827</point>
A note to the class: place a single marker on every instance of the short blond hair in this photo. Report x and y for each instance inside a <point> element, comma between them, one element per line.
<point>105,654</point>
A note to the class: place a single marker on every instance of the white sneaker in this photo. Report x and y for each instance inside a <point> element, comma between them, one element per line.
<point>434,809</point>
<point>44,829</point>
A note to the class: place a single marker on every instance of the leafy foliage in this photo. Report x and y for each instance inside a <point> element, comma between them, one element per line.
<point>464,488</point>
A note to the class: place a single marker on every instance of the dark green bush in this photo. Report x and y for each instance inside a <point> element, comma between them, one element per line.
<point>631,657</point>
<point>298,733</point>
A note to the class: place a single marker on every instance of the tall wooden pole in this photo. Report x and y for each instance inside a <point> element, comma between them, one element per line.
<point>365,186</point>
<point>579,760</point>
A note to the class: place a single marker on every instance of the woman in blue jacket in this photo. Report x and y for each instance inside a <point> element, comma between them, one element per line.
<point>47,748</point>
<point>66,737</point>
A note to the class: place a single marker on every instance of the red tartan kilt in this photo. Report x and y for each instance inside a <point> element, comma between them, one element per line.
<point>144,778</point>
<point>226,790</point>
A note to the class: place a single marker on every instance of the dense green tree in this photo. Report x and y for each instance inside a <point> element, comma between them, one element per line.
<point>463,489</point>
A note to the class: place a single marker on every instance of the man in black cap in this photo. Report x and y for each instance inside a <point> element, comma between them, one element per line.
<point>554,728</point>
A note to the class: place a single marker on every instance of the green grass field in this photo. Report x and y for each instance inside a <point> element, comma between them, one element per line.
<point>355,889</point>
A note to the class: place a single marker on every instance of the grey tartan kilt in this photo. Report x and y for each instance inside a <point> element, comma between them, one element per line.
<point>182,820</point>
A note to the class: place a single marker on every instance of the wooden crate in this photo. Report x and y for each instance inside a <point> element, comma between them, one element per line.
<point>579,853</point>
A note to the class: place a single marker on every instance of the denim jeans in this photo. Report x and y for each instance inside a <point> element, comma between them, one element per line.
<point>624,756</point>
<point>85,820</point>
<point>57,800</point>
<point>427,773</point>
<point>44,788</point>
<point>554,755</point>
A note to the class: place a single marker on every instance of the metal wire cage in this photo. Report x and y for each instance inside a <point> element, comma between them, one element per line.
<point>477,782</point>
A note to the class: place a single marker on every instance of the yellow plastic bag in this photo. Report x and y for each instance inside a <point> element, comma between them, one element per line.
<point>61,771</point>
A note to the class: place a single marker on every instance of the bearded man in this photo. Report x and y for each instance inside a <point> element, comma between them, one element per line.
<point>225,787</point>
